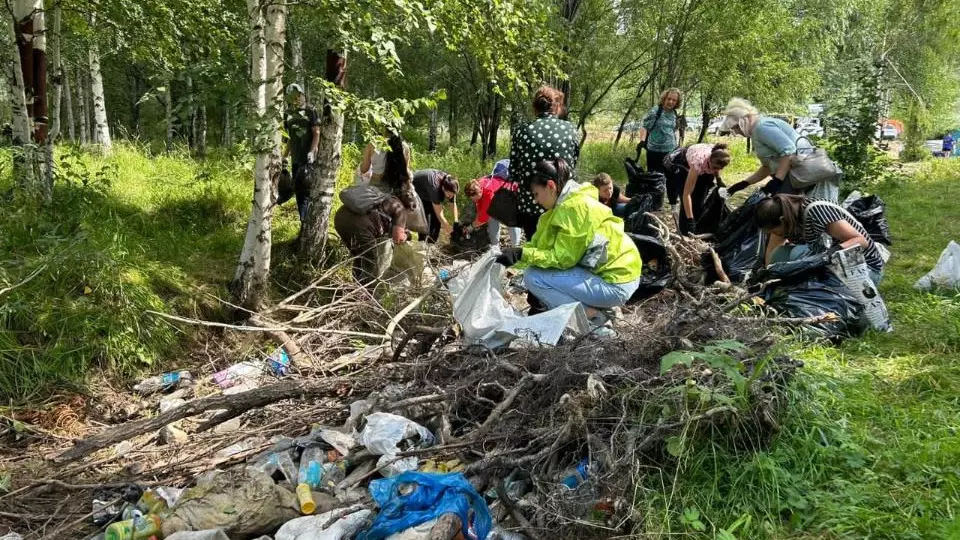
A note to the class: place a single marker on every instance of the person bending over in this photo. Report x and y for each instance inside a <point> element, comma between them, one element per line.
<point>436,188</point>
<point>370,236</point>
<point>610,194</point>
<point>704,163</point>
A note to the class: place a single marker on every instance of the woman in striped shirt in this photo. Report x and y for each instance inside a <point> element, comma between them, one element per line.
<point>799,226</point>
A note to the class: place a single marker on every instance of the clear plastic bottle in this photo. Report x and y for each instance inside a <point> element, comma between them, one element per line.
<point>163,382</point>
<point>311,466</point>
<point>333,474</point>
<point>575,476</point>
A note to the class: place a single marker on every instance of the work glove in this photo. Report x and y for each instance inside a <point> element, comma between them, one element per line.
<point>688,227</point>
<point>311,156</point>
<point>773,186</point>
<point>739,186</point>
<point>510,256</point>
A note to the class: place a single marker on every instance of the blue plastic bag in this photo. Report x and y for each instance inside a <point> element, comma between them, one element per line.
<point>433,496</point>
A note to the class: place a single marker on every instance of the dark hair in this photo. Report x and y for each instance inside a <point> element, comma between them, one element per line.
<point>407,199</point>
<point>602,179</point>
<point>720,157</point>
<point>781,209</point>
<point>548,100</point>
<point>396,171</point>
<point>449,183</point>
<point>551,169</point>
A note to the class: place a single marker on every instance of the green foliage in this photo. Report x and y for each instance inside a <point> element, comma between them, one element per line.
<point>914,134</point>
<point>852,121</point>
<point>717,356</point>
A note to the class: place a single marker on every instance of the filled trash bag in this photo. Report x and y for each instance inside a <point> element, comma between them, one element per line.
<point>640,181</point>
<point>432,495</point>
<point>871,212</point>
<point>740,243</point>
<point>816,293</point>
<point>636,220</point>
<point>946,274</point>
<point>714,211</point>
<point>656,267</point>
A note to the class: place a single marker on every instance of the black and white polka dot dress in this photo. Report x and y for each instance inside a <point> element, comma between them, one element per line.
<point>547,137</point>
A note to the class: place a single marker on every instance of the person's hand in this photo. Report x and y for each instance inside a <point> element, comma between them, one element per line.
<point>447,227</point>
<point>773,186</point>
<point>311,156</point>
<point>510,256</point>
<point>688,227</point>
<point>399,235</point>
<point>739,186</point>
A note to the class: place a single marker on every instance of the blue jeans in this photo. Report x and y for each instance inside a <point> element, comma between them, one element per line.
<point>797,252</point>
<point>558,287</point>
<point>493,229</point>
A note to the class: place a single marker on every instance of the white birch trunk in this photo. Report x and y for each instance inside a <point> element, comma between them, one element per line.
<point>296,57</point>
<point>68,104</point>
<point>227,140</point>
<point>168,105</point>
<point>56,76</point>
<point>83,107</point>
<point>191,117</point>
<point>316,224</point>
<point>26,161</point>
<point>100,125</point>
<point>202,131</point>
<point>251,279</point>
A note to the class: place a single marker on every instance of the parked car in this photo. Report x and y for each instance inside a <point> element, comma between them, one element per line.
<point>694,123</point>
<point>810,127</point>
<point>714,127</point>
<point>888,132</point>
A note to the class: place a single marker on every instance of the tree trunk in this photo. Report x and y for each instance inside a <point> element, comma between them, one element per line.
<point>27,74</point>
<point>202,131</point>
<point>57,79</point>
<point>168,106</point>
<point>296,60</point>
<point>316,222</point>
<point>705,118</point>
<point>101,127</point>
<point>251,280</point>
<point>227,140</point>
<point>84,107</point>
<point>453,123</point>
<point>494,127</point>
<point>191,117</point>
<point>626,116</point>
<point>432,130</point>
<point>135,102</point>
<point>68,103</point>
<point>476,132</point>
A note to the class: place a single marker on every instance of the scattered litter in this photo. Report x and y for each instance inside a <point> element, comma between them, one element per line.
<point>136,528</point>
<point>340,441</point>
<point>228,427</point>
<point>384,431</point>
<point>850,266</point>
<point>166,381</point>
<point>237,448</point>
<point>122,448</point>
<point>413,498</point>
<point>240,377</point>
<point>317,528</point>
<point>281,462</point>
<point>167,404</point>
<point>11,536</point>
<point>279,362</point>
<point>215,534</point>
<point>946,273</point>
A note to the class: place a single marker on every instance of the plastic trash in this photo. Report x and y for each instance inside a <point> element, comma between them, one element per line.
<point>577,475</point>
<point>740,243</point>
<point>850,266</point>
<point>639,181</point>
<point>311,469</point>
<point>487,318</point>
<point>414,498</point>
<point>240,377</point>
<point>499,533</point>
<point>946,273</point>
<point>815,294</point>
<point>166,381</point>
<point>333,473</point>
<point>384,431</point>
<point>305,498</point>
<point>656,266</point>
<point>11,536</point>
<point>215,534</point>
<point>103,511</point>
<point>342,442</point>
<point>236,448</point>
<point>279,362</point>
<point>139,528</point>
<point>310,527</point>
<point>272,462</point>
<point>168,404</point>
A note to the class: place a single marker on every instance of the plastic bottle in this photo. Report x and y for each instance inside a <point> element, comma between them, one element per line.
<point>140,528</point>
<point>277,461</point>
<point>279,362</point>
<point>235,449</point>
<point>311,466</point>
<point>577,475</point>
<point>305,498</point>
<point>163,382</point>
<point>152,503</point>
<point>333,474</point>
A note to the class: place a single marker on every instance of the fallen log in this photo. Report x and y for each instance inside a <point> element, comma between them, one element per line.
<point>234,405</point>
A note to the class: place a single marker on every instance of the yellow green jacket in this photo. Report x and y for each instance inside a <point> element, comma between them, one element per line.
<point>582,230</point>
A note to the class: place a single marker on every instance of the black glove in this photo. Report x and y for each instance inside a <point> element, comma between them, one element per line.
<point>739,186</point>
<point>773,186</point>
<point>688,227</point>
<point>510,256</point>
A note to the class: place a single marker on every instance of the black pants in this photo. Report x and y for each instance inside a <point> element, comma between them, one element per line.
<point>699,197</point>
<point>433,222</point>
<point>302,180</point>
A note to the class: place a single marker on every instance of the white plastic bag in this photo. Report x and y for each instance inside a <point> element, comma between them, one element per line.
<point>309,527</point>
<point>488,319</point>
<point>214,534</point>
<point>946,274</point>
<point>384,431</point>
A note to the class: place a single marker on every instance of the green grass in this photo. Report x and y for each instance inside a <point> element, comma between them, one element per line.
<point>870,448</point>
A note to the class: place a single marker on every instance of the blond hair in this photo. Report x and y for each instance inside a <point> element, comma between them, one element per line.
<point>671,90</point>
<point>738,114</point>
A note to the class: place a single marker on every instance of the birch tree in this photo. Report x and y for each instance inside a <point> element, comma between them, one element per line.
<point>101,129</point>
<point>56,77</point>
<point>26,74</point>
<point>267,34</point>
<point>68,103</point>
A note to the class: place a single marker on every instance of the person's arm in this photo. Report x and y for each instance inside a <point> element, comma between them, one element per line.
<point>843,232</point>
<point>367,160</point>
<point>456,212</point>
<point>772,244</point>
<point>783,167</point>
<point>398,219</point>
<point>483,209</point>
<point>757,176</point>
<point>623,198</point>
<point>647,125</point>
<point>688,188</point>
<point>568,247</point>
<point>438,208</point>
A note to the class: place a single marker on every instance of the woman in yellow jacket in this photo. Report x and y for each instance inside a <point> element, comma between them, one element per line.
<point>580,252</point>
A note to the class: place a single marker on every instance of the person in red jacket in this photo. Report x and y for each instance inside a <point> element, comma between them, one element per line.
<point>481,192</point>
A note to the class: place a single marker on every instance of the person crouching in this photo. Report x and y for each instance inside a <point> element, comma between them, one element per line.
<point>370,236</point>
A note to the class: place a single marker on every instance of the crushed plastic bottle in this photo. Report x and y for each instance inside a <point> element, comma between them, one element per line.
<point>279,362</point>
<point>242,376</point>
<point>578,475</point>
<point>311,465</point>
<point>333,474</point>
<point>164,382</point>
<point>138,528</point>
<point>277,461</point>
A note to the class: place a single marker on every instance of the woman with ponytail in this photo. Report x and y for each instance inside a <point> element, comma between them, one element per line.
<point>704,163</point>
<point>547,137</point>
<point>579,252</point>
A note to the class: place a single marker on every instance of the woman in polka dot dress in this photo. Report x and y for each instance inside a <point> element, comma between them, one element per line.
<point>547,137</point>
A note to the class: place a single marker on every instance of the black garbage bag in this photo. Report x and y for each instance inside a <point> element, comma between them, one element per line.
<point>656,266</point>
<point>790,271</point>
<point>740,243</point>
<point>715,211</point>
<point>464,242</point>
<point>635,213</point>
<point>640,181</point>
<point>871,212</point>
<point>815,293</point>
